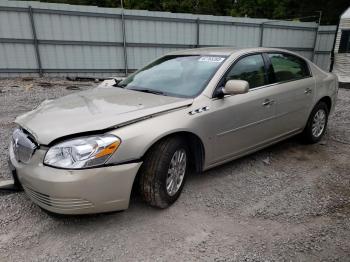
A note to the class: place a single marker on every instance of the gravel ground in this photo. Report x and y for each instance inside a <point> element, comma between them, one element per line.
<point>289,202</point>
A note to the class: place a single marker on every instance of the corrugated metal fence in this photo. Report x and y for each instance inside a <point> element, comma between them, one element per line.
<point>60,40</point>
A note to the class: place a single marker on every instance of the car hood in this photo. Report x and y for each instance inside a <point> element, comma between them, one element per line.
<point>93,110</point>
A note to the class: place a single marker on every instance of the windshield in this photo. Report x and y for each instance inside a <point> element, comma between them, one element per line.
<point>182,76</point>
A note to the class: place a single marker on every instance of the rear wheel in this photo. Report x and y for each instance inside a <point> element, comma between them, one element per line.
<point>317,124</point>
<point>164,172</point>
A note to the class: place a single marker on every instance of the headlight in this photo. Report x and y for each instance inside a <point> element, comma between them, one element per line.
<point>82,152</point>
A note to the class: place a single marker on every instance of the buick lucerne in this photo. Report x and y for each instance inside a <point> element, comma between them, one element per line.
<point>187,111</point>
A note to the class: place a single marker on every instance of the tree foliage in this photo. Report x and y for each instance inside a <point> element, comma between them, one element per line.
<point>272,9</point>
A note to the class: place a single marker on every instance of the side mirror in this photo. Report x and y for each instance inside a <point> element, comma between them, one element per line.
<point>235,87</point>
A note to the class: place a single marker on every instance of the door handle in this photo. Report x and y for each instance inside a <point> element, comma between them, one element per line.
<point>308,91</point>
<point>268,102</point>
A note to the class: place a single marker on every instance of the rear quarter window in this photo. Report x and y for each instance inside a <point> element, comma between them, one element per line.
<point>288,67</point>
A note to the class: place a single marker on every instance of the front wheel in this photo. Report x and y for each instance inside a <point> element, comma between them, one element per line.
<point>317,124</point>
<point>164,172</point>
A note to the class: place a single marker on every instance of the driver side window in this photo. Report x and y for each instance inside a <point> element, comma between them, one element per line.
<point>251,69</point>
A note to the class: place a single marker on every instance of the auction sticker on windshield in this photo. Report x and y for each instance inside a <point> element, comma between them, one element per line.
<point>211,59</point>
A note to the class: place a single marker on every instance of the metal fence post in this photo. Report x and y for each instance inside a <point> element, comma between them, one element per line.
<point>315,44</point>
<point>124,44</point>
<point>197,39</point>
<point>36,42</point>
<point>316,36</point>
<point>261,34</point>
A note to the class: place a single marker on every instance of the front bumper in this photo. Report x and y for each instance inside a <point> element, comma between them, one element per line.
<point>85,191</point>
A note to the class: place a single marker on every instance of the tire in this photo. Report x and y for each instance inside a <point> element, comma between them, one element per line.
<point>311,133</point>
<point>154,176</point>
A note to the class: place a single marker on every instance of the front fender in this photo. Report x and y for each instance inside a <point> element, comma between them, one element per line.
<point>139,137</point>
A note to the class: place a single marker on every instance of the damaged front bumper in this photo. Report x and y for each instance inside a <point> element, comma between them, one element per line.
<point>83,191</point>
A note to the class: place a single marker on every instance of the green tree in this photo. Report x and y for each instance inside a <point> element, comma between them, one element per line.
<point>271,9</point>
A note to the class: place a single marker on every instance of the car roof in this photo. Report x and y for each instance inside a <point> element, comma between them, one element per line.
<point>206,51</point>
<point>224,51</point>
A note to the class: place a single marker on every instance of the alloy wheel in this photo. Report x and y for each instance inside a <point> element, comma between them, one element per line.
<point>319,122</point>
<point>176,172</point>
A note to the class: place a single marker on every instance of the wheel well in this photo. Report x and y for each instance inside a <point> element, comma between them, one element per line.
<point>195,144</point>
<point>197,153</point>
<point>328,101</point>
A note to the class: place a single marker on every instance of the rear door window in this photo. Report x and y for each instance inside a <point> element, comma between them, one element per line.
<point>288,67</point>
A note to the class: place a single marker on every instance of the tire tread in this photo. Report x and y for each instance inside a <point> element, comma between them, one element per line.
<point>307,136</point>
<point>149,183</point>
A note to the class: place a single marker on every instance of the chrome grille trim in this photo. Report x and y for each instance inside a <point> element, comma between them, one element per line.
<point>59,203</point>
<point>23,145</point>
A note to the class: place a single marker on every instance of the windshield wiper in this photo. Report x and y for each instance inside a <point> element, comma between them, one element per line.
<point>151,91</point>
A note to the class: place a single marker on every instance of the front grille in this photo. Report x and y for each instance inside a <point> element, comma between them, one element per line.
<point>23,145</point>
<point>59,203</point>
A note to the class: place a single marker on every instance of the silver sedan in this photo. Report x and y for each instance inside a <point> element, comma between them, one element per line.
<point>187,111</point>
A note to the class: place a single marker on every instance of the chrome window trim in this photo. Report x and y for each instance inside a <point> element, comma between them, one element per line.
<point>264,86</point>
<point>279,83</point>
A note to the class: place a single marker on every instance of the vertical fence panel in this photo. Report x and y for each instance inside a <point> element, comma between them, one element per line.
<point>85,40</point>
<point>18,55</point>
<point>324,45</point>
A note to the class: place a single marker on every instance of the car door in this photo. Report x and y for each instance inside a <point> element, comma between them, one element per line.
<point>242,122</point>
<point>294,92</point>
